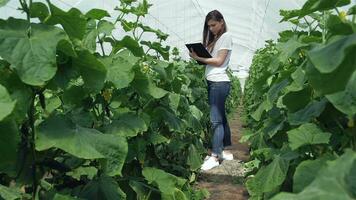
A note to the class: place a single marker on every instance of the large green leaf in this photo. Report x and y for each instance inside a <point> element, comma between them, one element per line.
<point>39,10</point>
<point>145,85</point>
<point>345,101</point>
<point>164,51</point>
<point>120,68</point>
<point>33,54</point>
<point>307,134</point>
<point>352,10</point>
<point>104,188</point>
<point>128,125</point>
<point>92,70</point>
<point>94,30</point>
<point>166,182</point>
<point>339,77</point>
<point>9,140</point>
<point>73,21</point>
<point>332,182</point>
<point>58,196</point>
<point>288,48</point>
<point>10,193</point>
<point>97,14</point>
<point>131,44</point>
<point>19,92</point>
<point>319,5</point>
<point>59,132</point>
<point>329,57</point>
<point>312,110</point>
<point>142,190</point>
<point>273,92</point>
<point>295,101</point>
<point>194,160</point>
<point>7,105</point>
<point>307,171</point>
<point>268,178</point>
<point>89,172</point>
<point>166,116</point>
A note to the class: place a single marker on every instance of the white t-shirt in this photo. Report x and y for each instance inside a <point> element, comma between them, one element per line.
<point>218,74</point>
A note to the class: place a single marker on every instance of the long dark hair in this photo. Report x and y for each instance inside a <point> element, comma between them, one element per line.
<point>208,37</point>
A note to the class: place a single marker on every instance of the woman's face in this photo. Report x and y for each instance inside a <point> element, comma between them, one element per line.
<point>215,26</point>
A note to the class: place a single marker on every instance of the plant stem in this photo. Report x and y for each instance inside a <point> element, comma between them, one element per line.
<point>101,45</point>
<point>31,115</point>
<point>324,28</point>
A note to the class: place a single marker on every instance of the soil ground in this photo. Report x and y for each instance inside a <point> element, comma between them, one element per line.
<point>225,182</point>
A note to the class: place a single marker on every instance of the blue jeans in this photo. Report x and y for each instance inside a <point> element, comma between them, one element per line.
<point>217,95</point>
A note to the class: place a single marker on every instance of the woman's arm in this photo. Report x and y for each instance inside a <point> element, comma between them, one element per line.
<point>216,61</point>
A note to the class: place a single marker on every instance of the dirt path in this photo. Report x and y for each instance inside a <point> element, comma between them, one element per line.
<point>225,182</point>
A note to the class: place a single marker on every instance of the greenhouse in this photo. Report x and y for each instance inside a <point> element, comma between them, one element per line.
<point>178,100</point>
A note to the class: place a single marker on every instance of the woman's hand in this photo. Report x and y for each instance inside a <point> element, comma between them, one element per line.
<point>193,55</point>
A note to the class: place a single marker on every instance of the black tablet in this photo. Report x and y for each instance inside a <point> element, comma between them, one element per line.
<point>200,50</point>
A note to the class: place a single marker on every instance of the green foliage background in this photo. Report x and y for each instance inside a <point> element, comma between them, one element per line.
<point>299,105</point>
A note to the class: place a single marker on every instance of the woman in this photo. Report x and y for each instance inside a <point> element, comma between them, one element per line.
<point>219,43</point>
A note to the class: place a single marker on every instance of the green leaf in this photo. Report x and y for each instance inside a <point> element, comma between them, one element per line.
<point>10,193</point>
<point>160,35</point>
<point>288,48</point>
<point>58,196</point>
<point>298,80</point>
<point>141,9</point>
<point>39,10</point>
<point>320,5</point>
<point>256,115</point>
<point>34,57</point>
<point>73,21</point>
<point>169,118</point>
<point>131,44</point>
<point>90,172</point>
<point>97,14</point>
<point>329,57</point>
<point>142,190</point>
<point>156,138</point>
<point>345,101</point>
<point>339,77</point>
<point>59,132</point>
<point>144,85</point>
<point>7,105</point>
<point>105,27</point>
<point>268,178</point>
<point>338,27</point>
<point>166,182</point>
<point>288,14</point>
<point>92,70</point>
<point>307,134</point>
<point>194,160</point>
<point>273,92</point>
<point>352,10</point>
<point>127,125</point>
<point>332,182</point>
<point>3,2</point>
<point>174,100</point>
<point>9,141</point>
<point>307,171</point>
<point>104,188</point>
<point>295,101</point>
<point>19,91</point>
<point>312,110</point>
<point>157,46</point>
<point>120,68</point>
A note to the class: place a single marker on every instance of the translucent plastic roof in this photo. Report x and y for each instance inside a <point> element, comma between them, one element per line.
<point>251,22</point>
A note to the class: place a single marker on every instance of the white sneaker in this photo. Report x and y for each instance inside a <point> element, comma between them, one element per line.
<point>227,155</point>
<point>210,163</point>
